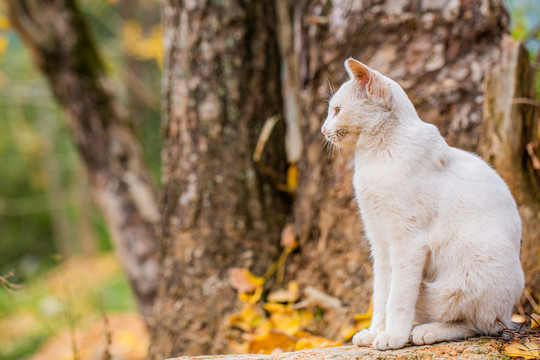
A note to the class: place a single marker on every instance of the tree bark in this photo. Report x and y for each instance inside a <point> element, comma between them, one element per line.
<point>220,210</point>
<point>509,142</point>
<point>62,47</point>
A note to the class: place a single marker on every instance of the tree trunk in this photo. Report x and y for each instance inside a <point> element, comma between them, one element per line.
<point>219,209</point>
<point>510,143</point>
<point>61,46</point>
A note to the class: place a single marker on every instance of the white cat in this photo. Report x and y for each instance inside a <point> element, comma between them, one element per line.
<point>444,230</point>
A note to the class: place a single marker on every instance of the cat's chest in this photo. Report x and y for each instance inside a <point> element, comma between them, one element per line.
<point>383,191</point>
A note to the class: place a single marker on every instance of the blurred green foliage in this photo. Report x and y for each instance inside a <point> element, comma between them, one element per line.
<point>44,205</point>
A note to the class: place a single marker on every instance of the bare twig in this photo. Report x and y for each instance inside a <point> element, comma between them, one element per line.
<point>8,285</point>
<point>107,331</point>
<point>71,319</point>
<point>264,136</point>
<point>531,300</point>
<point>531,147</point>
<point>526,101</point>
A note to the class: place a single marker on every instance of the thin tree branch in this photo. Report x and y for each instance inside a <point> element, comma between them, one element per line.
<point>526,101</point>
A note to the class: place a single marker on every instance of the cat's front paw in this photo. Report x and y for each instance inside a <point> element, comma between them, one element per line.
<point>387,341</point>
<point>363,338</point>
<point>423,335</point>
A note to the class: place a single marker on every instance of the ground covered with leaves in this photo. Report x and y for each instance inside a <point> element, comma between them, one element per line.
<point>84,310</point>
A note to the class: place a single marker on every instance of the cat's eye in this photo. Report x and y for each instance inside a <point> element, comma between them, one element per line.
<point>337,109</point>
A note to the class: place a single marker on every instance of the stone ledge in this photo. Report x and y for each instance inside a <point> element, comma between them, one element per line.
<point>474,349</point>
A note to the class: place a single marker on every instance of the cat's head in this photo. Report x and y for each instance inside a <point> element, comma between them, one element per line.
<point>364,107</point>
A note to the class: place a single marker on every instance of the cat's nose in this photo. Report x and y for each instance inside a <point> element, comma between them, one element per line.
<point>323,130</point>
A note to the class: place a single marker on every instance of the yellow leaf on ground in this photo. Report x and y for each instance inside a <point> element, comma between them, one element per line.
<point>361,321</point>
<point>517,318</point>
<point>273,308</point>
<point>251,298</point>
<point>306,318</point>
<point>313,341</point>
<point>268,343</point>
<point>348,332</point>
<point>238,347</point>
<point>244,281</point>
<point>530,350</point>
<point>290,295</point>
<point>292,177</point>
<point>535,321</point>
<point>248,318</point>
<point>286,323</point>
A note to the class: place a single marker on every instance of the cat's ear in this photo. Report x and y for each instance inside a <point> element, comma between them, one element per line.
<point>359,72</point>
<point>367,80</point>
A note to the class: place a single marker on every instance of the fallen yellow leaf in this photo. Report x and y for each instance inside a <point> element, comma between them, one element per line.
<point>535,321</point>
<point>348,332</point>
<point>313,341</point>
<point>244,281</point>
<point>238,347</point>
<point>517,318</point>
<point>530,350</point>
<point>286,323</point>
<point>291,294</point>
<point>268,343</point>
<point>248,318</point>
<point>251,298</point>
<point>292,177</point>
<point>273,308</point>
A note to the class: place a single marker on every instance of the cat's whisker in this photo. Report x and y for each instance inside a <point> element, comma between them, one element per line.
<point>325,144</point>
<point>331,88</point>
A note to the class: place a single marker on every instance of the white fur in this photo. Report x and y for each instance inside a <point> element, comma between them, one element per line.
<point>444,230</point>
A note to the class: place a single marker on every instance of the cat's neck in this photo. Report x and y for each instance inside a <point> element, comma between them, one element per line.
<point>396,140</point>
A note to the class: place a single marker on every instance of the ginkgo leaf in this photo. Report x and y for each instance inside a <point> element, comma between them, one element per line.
<point>313,341</point>
<point>361,321</point>
<point>268,343</point>
<point>535,321</point>
<point>274,308</point>
<point>348,332</point>
<point>251,298</point>
<point>238,347</point>
<point>517,318</point>
<point>243,280</point>
<point>292,177</point>
<point>247,319</point>
<point>289,295</point>
<point>287,323</point>
<point>530,350</point>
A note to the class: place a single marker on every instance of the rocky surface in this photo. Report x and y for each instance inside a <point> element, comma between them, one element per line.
<point>471,349</point>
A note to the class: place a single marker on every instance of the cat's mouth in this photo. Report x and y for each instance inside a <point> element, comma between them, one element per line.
<point>336,135</point>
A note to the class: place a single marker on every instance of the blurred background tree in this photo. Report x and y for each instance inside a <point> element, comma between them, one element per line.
<point>47,215</point>
<point>45,207</point>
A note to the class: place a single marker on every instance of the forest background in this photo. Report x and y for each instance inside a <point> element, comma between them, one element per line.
<point>53,239</point>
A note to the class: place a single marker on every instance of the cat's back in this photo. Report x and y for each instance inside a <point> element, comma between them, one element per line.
<point>472,178</point>
<point>476,200</point>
